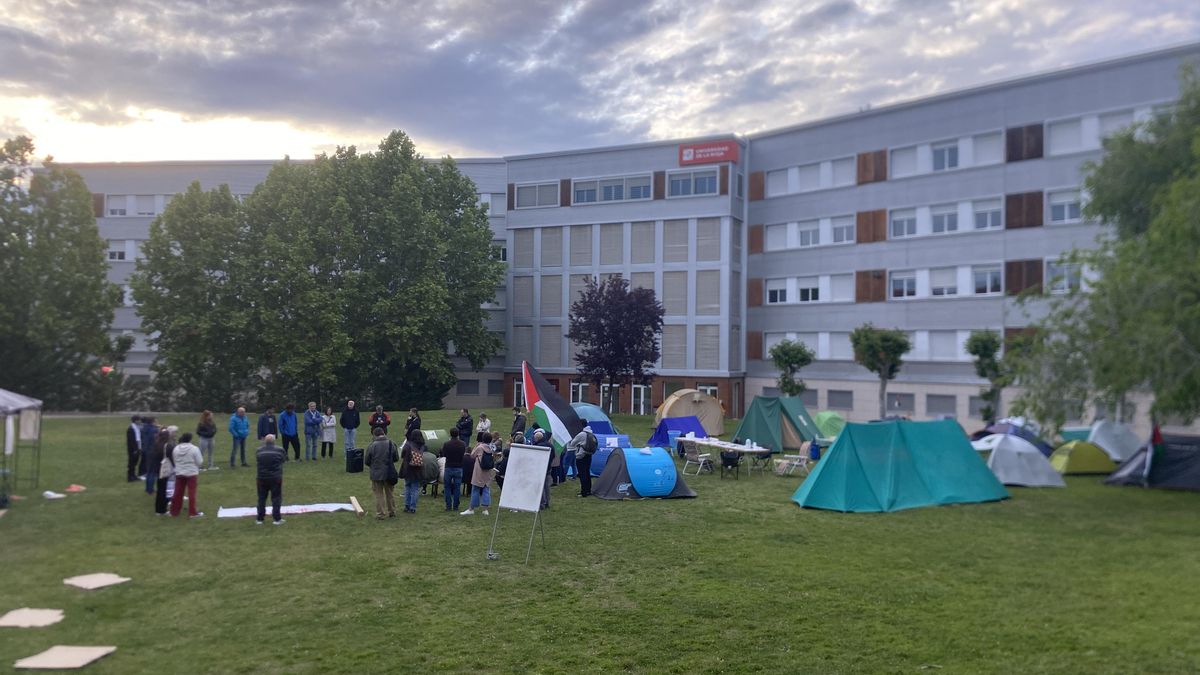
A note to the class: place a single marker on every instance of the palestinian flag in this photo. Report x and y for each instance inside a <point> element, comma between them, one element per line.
<point>548,408</point>
<point>1155,451</point>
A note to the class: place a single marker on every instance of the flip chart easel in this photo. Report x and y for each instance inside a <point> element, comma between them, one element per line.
<point>524,481</point>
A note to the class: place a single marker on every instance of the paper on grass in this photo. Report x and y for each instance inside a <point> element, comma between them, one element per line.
<point>288,510</point>
<point>93,581</point>
<point>59,657</point>
<point>31,618</point>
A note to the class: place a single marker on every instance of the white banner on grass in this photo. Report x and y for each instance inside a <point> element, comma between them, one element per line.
<point>290,509</point>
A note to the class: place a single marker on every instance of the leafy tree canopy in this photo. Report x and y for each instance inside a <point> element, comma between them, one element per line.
<point>881,351</point>
<point>615,329</point>
<point>789,356</point>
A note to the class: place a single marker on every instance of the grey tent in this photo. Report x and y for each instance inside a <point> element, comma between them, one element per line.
<point>640,473</point>
<point>21,433</point>
<point>1176,466</point>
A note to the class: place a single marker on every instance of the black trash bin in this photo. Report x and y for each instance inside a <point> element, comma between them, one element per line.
<point>354,460</point>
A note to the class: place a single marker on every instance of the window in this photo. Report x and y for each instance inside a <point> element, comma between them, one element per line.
<point>578,283</point>
<point>1064,206</point>
<point>643,248</point>
<point>708,239</point>
<point>741,190</point>
<point>116,249</point>
<point>145,205</point>
<point>809,398</point>
<point>708,292</point>
<point>518,393</point>
<point>770,340</point>
<point>612,190</point>
<point>585,192</point>
<point>552,246</point>
<point>675,293</point>
<point>900,404</point>
<point>810,177</point>
<point>499,206</point>
<point>1115,121</point>
<point>1063,277</point>
<point>989,149</point>
<point>987,279</point>
<point>943,345</point>
<point>641,280</point>
<point>807,289</point>
<point>904,223</point>
<point>945,218</point>
<point>840,347</point>
<point>581,245</point>
<point>841,287</point>
<point>500,250</point>
<point>943,281</point>
<point>705,183</point>
<point>776,237</point>
<point>904,162</point>
<point>535,196</point>
<point>551,295</point>
<point>681,184</point>
<point>844,172</point>
<point>708,347</point>
<point>674,347</point>
<point>987,214</point>
<point>495,387</point>
<point>777,183</point>
<point>675,241</point>
<point>638,187</point>
<point>127,296</point>
<point>578,391</point>
<point>612,244</point>
<point>523,245</point>
<point>116,205</point>
<point>941,404</point>
<point>975,406</point>
<point>843,230</point>
<point>550,346</point>
<point>840,400</point>
<point>641,399</point>
<point>810,233</point>
<point>1065,136</point>
<point>522,296</point>
<point>945,156</point>
<point>468,388</point>
<point>904,284</point>
<point>776,291</point>
<point>707,388</point>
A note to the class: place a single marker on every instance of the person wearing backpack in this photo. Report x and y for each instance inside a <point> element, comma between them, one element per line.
<point>584,444</point>
<point>481,476</point>
<point>413,468</point>
<point>381,460</point>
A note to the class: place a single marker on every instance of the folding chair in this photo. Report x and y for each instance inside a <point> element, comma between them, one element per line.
<point>691,455</point>
<point>731,462</point>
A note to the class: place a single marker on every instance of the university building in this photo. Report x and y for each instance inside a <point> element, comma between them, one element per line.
<point>929,216</point>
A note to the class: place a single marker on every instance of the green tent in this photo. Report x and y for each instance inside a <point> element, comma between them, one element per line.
<point>1076,457</point>
<point>829,423</point>
<point>894,465</point>
<point>777,422</point>
<point>1069,434</point>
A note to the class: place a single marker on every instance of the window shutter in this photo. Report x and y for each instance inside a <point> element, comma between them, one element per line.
<point>872,166</point>
<point>870,226</point>
<point>675,241</point>
<point>552,246</point>
<point>1014,144</point>
<point>564,192</point>
<point>724,180</point>
<point>612,244</point>
<point>675,293</point>
<point>1032,141</point>
<point>708,292</point>
<point>1034,209</point>
<point>1012,333</point>
<point>578,285</point>
<point>522,346</point>
<point>581,245</point>
<point>735,294</point>
<point>708,347</point>
<point>550,346</point>
<point>754,292</point>
<point>522,256</point>
<point>660,184</point>
<point>642,280</point>
<point>1020,275</point>
<point>97,205</point>
<point>1023,210</point>
<point>841,287</point>
<point>643,242</point>
<point>523,296</point>
<point>674,346</point>
<point>1033,275</point>
<point>512,196</point>
<point>708,239</point>
<point>758,185</point>
<point>552,295</point>
<point>756,239</point>
<point>870,285</point>
<point>754,345</point>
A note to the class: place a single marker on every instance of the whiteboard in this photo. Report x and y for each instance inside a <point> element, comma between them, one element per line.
<point>524,478</point>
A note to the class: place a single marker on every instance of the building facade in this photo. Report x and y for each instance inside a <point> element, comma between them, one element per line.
<point>929,216</point>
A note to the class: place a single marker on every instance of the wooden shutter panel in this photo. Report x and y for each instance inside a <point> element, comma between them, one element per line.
<point>870,285</point>
<point>881,160</point>
<point>758,185</point>
<point>754,345</point>
<point>564,192</point>
<point>756,239</point>
<point>660,184</point>
<point>872,166</point>
<point>1033,275</point>
<point>512,196</point>
<point>754,292</point>
<point>723,181</point>
<point>1014,144</point>
<point>1022,275</point>
<point>870,226</point>
<point>1032,141</point>
<point>97,205</point>
<point>1014,211</point>
<point>1034,209</point>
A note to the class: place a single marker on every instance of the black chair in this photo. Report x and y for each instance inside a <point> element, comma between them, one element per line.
<point>731,462</point>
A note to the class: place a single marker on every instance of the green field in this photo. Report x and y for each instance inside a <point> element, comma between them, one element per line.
<point>1089,579</point>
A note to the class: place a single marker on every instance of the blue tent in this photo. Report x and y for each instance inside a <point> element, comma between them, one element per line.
<point>639,473</point>
<point>600,457</point>
<point>593,415</point>
<point>683,425</point>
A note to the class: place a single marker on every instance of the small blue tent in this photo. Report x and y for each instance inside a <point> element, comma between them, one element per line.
<point>595,417</point>
<point>638,473</point>
<point>683,425</point>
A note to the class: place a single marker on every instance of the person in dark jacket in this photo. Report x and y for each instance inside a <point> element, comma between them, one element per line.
<point>267,425</point>
<point>312,430</point>
<point>465,425</point>
<point>518,422</point>
<point>380,420</point>
<point>206,430</point>
<point>161,449</point>
<point>413,421</point>
<point>270,459</point>
<point>468,468</point>
<point>453,450</point>
<point>149,435</point>
<point>540,437</point>
<point>133,447</point>
<point>413,469</point>
<point>289,428</point>
<point>380,460</point>
<point>350,422</point>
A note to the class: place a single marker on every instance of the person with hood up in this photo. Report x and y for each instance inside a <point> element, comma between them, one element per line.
<point>583,446</point>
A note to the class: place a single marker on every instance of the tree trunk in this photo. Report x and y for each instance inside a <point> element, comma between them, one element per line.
<point>882,398</point>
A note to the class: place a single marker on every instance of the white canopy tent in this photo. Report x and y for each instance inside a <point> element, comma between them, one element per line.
<point>1016,461</point>
<point>22,435</point>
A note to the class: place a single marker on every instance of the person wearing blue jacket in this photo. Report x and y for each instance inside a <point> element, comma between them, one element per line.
<point>239,428</point>
<point>312,429</point>
<point>149,433</point>
<point>288,428</point>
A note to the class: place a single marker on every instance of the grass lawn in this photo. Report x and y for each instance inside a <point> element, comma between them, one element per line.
<point>1088,579</point>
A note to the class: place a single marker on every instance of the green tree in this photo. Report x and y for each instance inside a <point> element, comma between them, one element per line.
<point>616,330</point>
<point>881,351</point>
<point>789,356</point>
<point>56,304</point>
<point>985,345</point>
<point>1135,324</point>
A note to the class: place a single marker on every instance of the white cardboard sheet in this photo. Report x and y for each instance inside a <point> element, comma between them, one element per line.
<point>287,510</point>
<point>61,657</point>
<point>524,478</point>
<point>31,618</point>
<point>91,582</point>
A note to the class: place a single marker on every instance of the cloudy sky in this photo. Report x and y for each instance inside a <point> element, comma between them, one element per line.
<point>236,79</point>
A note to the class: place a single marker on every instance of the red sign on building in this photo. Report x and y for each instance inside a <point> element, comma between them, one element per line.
<point>708,153</point>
